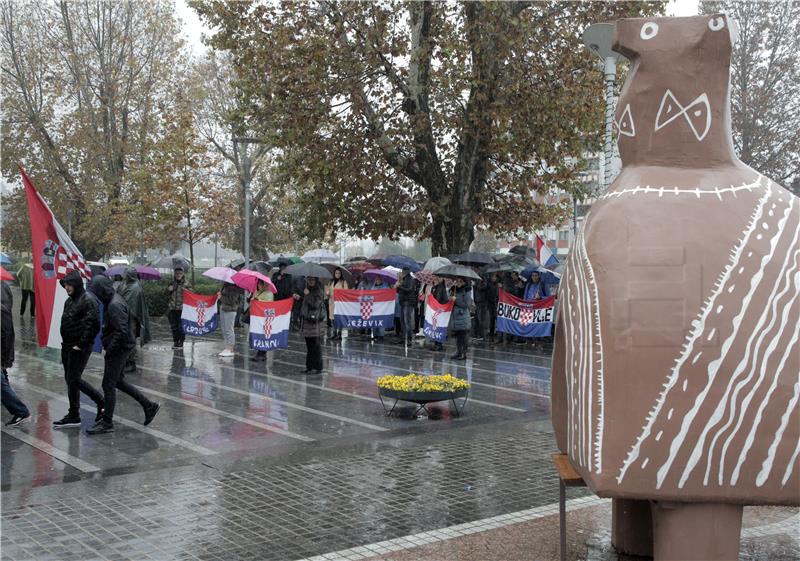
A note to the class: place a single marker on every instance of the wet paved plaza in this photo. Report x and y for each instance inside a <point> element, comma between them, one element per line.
<point>253,460</point>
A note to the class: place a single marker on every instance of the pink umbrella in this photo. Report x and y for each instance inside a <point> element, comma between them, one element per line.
<point>248,280</point>
<point>222,274</point>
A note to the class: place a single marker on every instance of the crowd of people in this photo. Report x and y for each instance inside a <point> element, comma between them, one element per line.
<point>125,321</point>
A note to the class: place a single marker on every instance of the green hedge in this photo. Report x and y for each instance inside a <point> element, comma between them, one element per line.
<point>155,292</point>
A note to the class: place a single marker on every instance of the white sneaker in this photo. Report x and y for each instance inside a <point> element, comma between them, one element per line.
<point>226,352</point>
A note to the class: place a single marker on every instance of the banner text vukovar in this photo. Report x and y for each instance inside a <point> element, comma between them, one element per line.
<point>525,318</point>
<point>360,309</point>
<point>199,315</point>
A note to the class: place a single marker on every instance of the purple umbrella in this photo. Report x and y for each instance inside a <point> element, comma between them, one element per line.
<point>223,274</point>
<point>386,274</point>
<point>145,273</point>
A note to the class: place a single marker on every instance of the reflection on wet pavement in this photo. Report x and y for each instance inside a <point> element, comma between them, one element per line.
<point>252,460</point>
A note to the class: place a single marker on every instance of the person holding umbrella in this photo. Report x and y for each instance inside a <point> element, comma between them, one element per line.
<point>262,294</point>
<point>138,316</point>
<point>230,298</point>
<point>312,316</point>
<point>175,291</point>
<point>338,282</point>
<point>407,292</point>
<point>462,321</point>
<point>439,293</point>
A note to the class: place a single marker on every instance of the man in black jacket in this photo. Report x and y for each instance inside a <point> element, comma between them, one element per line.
<point>407,292</point>
<point>80,323</point>
<point>19,411</point>
<point>117,341</point>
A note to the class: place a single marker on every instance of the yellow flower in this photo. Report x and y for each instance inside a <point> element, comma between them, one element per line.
<point>420,383</point>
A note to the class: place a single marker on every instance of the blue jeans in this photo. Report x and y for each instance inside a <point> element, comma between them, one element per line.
<point>11,401</point>
<point>408,320</point>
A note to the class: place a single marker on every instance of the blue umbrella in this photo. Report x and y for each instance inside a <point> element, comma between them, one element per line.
<point>4,259</point>
<point>547,276</point>
<point>402,262</point>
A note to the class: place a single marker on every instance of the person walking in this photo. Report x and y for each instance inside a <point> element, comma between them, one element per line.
<point>131,290</point>
<point>407,292</point>
<point>439,293</point>
<point>25,278</point>
<point>117,342</point>
<point>461,317</point>
<point>262,294</point>
<point>230,296</point>
<point>8,397</point>
<point>339,282</point>
<point>312,313</point>
<point>80,323</point>
<point>175,291</point>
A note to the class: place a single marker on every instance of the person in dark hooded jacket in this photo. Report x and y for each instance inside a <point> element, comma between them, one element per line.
<point>80,323</point>
<point>19,411</point>
<point>117,342</point>
<point>131,290</point>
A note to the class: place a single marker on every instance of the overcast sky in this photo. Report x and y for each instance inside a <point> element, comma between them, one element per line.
<point>193,28</point>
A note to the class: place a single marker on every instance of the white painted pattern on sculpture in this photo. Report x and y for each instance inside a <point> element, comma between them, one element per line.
<point>695,334</point>
<point>712,369</point>
<point>672,109</point>
<point>752,345</point>
<point>661,191</point>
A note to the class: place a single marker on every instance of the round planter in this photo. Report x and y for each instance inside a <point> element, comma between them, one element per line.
<point>422,397</point>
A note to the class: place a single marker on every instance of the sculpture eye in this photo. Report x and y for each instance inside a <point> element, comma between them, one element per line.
<point>717,23</point>
<point>649,30</point>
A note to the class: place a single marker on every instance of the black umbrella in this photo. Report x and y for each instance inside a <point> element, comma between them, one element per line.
<point>356,258</point>
<point>473,257</point>
<point>523,250</point>
<point>261,266</point>
<point>346,275</point>
<point>171,262</point>
<point>457,272</point>
<point>238,262</point>
<point>308,270</point>
<point>509,265</point>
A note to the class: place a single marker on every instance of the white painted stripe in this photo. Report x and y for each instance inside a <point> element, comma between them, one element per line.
<point>51,450</point>
<point>444,534</point>
<point>394,368</point>
<point>771,348</point>
<point>717,191</point>
<point>276,401</point>
<point>123,421</point>
<point>766,466</point>
<point>218,412</point>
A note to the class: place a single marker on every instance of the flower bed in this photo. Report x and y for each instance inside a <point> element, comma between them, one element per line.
<point>419,383</point>
<point>422,389</point>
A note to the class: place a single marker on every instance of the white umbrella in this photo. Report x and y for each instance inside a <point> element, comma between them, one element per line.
<point>320,256</point>
<point>436,263</point>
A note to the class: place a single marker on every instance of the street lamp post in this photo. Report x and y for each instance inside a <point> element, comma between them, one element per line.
<point>599,39</point>
<point>245,178</point>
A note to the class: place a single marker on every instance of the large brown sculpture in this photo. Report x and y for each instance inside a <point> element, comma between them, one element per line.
<point>676,372</point>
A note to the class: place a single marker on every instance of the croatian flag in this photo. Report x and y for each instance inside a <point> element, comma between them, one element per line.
<point>269,324</point>
<point>364,308</point>
<point>437,318</point>
<point>543,253</point>
<point>199,316</point>
<point>54,255</point>
<point>525,318</point>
